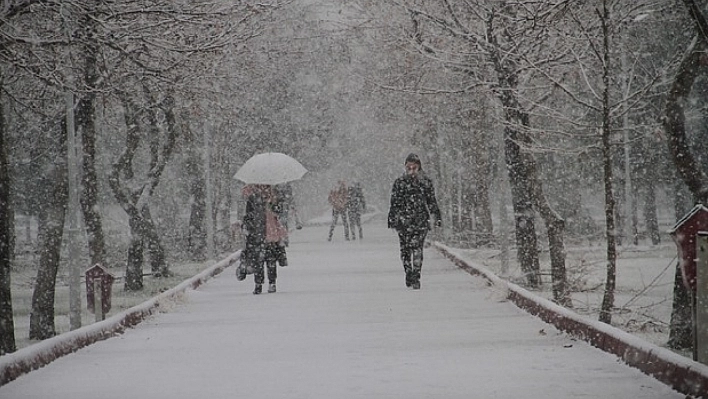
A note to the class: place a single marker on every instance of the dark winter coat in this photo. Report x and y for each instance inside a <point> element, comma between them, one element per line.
<point>355,201</point>
<point>413,203</point>
<point>254,227</point>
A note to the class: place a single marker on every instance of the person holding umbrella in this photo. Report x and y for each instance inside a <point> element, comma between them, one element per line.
<point>265,235</point>
<point>262,221</point>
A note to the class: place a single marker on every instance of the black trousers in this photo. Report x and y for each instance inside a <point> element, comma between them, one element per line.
<point>411,244</point>
<point>336,213</point>
<point>354,222</point>
<point>273,253</point>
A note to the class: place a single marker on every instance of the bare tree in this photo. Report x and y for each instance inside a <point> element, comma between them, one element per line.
<point>494,31</point>
<point>674,121</point>
<point>194,167</point>
<point>26,67</point>
<point>7,325</point>
<point>609,296</point>
<point>134,198</point>
<point>8,12</point>
<point>87,33</point>
<point>51,228</point>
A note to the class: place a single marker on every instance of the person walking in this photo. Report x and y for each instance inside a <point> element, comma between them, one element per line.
<point>413,204</point>
<point>264,236</point>
<point>338,200</point>
<point>356,205</point>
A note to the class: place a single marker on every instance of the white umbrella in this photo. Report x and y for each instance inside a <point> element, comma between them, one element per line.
<point>270,168</point>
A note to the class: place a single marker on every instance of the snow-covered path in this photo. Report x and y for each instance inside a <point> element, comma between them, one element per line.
<point>342,325</point>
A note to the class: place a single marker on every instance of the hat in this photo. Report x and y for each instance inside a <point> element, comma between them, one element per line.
<point>413,158</point>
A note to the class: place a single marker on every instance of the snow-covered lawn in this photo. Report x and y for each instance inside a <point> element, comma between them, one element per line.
<point>645,277</point>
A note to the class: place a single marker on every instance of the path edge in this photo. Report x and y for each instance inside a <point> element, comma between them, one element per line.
<point>680,373</point>
<point>25,360</point>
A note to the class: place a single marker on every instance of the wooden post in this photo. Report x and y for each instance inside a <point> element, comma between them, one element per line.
<point>98,299</point>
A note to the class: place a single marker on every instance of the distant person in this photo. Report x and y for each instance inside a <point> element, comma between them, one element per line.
<point>356,205</point>
<point>413,203</point>
<point>264,236</point>
<point>338,199</point>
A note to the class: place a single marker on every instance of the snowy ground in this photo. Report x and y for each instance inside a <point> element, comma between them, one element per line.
<point>342,325</point>
<point>644,293</point>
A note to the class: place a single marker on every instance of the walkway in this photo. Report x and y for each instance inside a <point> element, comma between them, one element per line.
<point>342,325</point>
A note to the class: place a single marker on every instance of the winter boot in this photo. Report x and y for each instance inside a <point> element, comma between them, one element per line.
<point>271,287</point>
<point>409,280</point>
<point>415,280</point>
<point>258,289</point>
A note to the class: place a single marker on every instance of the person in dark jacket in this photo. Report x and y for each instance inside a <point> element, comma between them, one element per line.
<point>356,205</point>
<point>264,236</point>
<point>413,204</point>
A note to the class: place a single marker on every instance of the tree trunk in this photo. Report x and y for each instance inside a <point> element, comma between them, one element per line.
<point>224,196</point>
<point>559,278</point>
<point>621,209</point>
<point>85,115</point>
<point>608,298</point>
<point>681,324</point>
<point>681,197</point>
<point>635,218</point>
<point>197,235</point>
<point>466,205</point>
<point>7,324</point>
<point>457,203</point>
<point>651,220</point>
<point>516,163</point>
<point>144,238</point>
<point>51,226</point>
<point>687,168</point>
<point>520,182</point>
<point>555,226</point>
<point>521,197</point>
<point>134,266</point>
<point>135,202</point>
<point>155,251</point>
<point>482,176</point>
<point>674,122</point>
